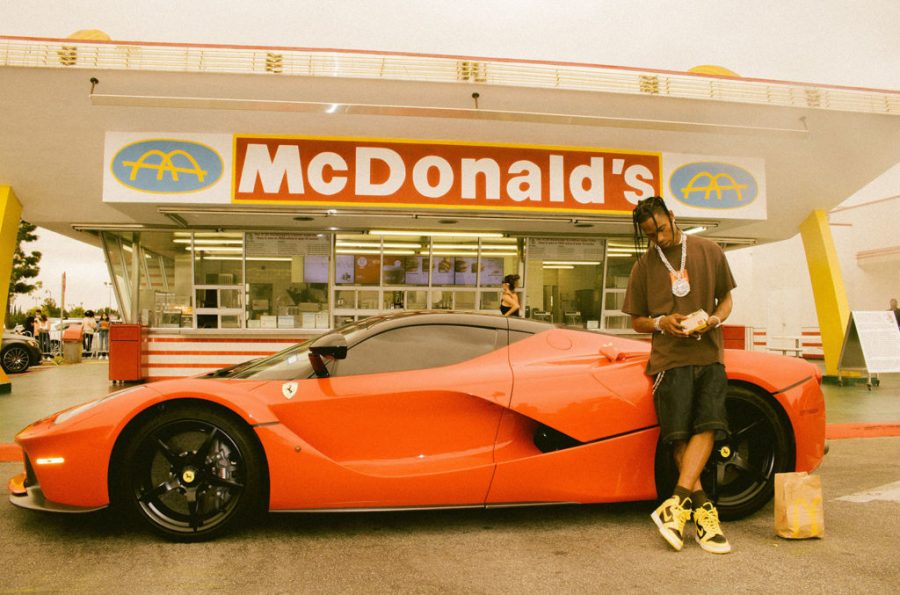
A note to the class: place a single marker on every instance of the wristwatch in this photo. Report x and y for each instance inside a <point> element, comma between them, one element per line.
<point>656,322</point>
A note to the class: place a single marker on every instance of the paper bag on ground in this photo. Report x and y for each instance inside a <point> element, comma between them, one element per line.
<point>799,512</point>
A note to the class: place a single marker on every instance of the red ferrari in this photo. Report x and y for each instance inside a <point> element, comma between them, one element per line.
<point>412,410</point>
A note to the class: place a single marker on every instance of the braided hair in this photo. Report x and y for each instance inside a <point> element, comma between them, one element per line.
<point>643,211</point>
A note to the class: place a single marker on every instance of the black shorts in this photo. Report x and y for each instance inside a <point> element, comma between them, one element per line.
<point>691,400</point>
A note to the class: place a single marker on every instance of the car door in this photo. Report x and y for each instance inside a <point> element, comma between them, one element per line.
<point>409,418</point>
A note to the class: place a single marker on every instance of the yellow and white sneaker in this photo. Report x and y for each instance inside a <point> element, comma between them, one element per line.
<point>709,534</point>
<point>670,518</point>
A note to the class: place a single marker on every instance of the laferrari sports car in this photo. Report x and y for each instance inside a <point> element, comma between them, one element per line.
<point>412,410</point>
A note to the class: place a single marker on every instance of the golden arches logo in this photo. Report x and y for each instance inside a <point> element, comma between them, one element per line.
<point>713,185</point>
<point>166,164</point>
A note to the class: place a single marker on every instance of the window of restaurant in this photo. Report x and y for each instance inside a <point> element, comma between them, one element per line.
<point>620,259</point>
<point>565,280</point>
<point>385,270</point>
<point>287,280</point>
<point>314,281</point>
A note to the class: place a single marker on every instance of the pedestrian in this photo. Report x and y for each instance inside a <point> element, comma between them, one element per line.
<point>896,310</point>
<point>509,301</point>
<point>44,335</point>
<point>88,326</point>
<point>103,335</point>
<point>687,366</point>
<point>28,326</point>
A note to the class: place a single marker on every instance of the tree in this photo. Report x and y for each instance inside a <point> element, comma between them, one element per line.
<point>25,266</point>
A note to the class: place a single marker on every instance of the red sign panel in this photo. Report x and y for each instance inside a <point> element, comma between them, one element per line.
<point>361,172</point>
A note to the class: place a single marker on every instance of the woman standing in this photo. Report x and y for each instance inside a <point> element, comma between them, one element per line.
<point>44,335</point>
<point>509,301</point>
<point>103,336</point>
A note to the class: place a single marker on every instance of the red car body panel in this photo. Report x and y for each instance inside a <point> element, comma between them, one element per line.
<point>455,435</point>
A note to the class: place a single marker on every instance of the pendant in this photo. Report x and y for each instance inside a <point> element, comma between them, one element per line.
<point>681,287</point>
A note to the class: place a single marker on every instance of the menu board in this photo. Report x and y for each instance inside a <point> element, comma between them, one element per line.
<point>343,269</point>
<point>465,270</point>
<point>367,269</point>
<point>315,269</point>
<point>394,270</point>
<point>442,270</point>
<point>491,271</point>
<point>416,270</point>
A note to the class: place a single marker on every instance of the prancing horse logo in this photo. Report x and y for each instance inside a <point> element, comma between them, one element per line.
<point>289,389</point>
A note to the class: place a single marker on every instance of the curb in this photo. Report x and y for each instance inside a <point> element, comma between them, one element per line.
<point>11,453</point>
<point>871,430</point>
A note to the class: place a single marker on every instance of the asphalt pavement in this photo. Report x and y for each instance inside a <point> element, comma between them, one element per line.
<point>560,549</point>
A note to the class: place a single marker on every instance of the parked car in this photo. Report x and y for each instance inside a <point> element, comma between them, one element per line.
<point>19,352</point>
<point>412,410</point>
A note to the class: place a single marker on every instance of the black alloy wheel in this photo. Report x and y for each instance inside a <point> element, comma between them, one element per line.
<point>191,472</point>
<point>740,473</point>
<point>15,359</point>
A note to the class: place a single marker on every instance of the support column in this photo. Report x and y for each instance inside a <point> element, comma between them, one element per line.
<point>832,307</point>
<point>10,212</point>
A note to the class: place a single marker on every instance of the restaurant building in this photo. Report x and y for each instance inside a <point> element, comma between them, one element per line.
<point>246,198</point>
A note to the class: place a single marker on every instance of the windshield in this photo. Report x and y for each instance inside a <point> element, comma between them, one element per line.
<point>288,364</point>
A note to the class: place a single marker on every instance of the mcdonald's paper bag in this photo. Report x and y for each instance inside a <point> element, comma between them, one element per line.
<point>798,506</point>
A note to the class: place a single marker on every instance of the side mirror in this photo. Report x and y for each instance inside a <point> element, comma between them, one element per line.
<point>333,345</point>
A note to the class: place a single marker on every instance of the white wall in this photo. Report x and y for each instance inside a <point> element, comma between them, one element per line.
<point>774,289</point>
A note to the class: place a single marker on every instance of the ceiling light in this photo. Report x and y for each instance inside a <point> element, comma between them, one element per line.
<point>356,251</point>
<point>694,230</point>
<point>214,249</point>
<point>345,243</point>
<point>471,254</point>
<point>572,262</point>
<point>458,234</point>
<point>558,266</point>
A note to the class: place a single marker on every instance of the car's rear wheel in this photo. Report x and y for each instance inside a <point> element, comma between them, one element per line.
<point>15,359</point>
<point>190,472</point>
<point>740,474</point>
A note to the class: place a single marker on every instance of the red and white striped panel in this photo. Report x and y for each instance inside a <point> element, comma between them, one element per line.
<point>177,356</point>
<point>760,339</point>
<point>812,342</point>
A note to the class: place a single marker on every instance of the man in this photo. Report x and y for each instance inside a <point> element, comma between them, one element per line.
<point>676,276</point>
<point>896,310</point>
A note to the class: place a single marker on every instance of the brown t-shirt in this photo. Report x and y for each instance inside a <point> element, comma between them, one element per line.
<point>650,294</point>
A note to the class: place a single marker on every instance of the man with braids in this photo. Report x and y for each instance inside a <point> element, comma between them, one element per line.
<point>676,276</point>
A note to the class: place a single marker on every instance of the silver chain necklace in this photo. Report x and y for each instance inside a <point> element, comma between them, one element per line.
<point>680,286</point>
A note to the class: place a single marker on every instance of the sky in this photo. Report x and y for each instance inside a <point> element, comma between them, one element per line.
<point>820,41</point>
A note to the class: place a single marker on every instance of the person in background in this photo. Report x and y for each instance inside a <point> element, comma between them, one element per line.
<point>88,326</point>
<point>44,335</point>
<point>103,335</point>
<point>676,276</point>
<point>509,301</point>
<point>896,310</point>
<point>28,325</point>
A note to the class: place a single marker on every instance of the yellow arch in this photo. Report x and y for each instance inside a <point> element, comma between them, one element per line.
<point>165,165</point>
<point>714,186</point>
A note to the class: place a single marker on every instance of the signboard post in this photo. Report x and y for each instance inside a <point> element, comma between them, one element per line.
<point>871,344</point>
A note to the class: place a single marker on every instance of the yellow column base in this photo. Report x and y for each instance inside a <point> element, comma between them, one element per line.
<point>10,212</point>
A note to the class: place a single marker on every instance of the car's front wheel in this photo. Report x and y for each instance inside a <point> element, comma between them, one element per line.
<point>15,359</point>
<point>190,472</point>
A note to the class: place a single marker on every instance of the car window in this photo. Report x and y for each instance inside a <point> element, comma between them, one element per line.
<point>290,364</point>
<point>419,347</point>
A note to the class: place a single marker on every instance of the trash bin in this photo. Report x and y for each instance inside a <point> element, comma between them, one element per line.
<point>125,352</point>
<point>71,338</point>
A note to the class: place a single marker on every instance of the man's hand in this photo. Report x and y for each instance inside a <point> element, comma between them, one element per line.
<point>671,325</point>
